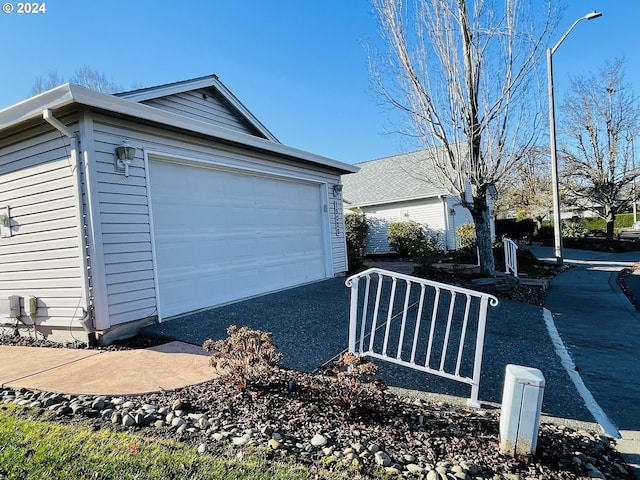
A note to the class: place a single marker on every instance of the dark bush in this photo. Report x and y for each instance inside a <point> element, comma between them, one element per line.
<point>409,239</point>
<point>545,233</point>
<point>356,229</point>
<point>514,229</point>
<point>466,236</point>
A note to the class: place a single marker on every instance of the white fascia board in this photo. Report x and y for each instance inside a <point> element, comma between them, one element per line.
<point>68,94</point>
<point>33,107</point>
<point>237,104</point>
<point>171,89</point>
<point>398,200</point>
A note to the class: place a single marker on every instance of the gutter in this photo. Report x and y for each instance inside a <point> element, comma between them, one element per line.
<point>87,320</point>
<point>68,94</point>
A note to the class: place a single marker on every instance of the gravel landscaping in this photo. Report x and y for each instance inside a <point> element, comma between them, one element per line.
<point>319,419</point>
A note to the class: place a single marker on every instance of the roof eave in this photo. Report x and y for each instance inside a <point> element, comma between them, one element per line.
<point>377,203</point>
<point>68,94</point>
<point>150,93</point>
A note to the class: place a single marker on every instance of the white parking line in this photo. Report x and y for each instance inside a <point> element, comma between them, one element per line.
<point>607,425</point>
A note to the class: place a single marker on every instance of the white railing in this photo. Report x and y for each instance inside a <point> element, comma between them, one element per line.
<point>421,324</point>
<point>510,256</point>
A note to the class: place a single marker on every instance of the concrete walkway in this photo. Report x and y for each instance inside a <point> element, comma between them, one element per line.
<point>98,372</point>
<point>601,330</point>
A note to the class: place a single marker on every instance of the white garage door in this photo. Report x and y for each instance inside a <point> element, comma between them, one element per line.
<point>221,235</point>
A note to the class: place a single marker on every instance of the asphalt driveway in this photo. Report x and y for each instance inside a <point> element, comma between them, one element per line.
<point>310,326</point>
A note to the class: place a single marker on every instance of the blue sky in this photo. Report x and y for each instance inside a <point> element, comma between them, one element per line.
<point>299,65</point>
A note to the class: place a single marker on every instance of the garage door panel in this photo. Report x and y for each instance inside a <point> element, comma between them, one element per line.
<point>221,236</point>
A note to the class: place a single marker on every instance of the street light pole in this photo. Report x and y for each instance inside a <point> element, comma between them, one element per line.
<point>557,226</point>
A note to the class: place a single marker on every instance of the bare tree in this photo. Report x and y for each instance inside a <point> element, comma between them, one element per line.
<point>83,76</point>
<point>527,188</point>
<point>461,69</point>
<point>94,80</point>
<point>42,84</point>
<point>600,122</point>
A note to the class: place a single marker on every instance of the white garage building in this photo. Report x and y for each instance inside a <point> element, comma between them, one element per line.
<point>210,208</point>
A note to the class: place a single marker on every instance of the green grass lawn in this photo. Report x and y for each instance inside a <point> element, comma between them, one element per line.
<point>33,449</point>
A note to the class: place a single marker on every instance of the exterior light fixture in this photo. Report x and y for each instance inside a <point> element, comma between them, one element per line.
<point>337,189</point>
<point>557,227</point>
<point>125,154</point>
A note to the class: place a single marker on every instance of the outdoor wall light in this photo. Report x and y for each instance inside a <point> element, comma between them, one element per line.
<point>125,154</point>
<point>337,189</point>
<point>5,223</point>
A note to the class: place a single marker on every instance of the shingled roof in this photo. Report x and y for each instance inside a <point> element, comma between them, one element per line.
<point>409,176</point>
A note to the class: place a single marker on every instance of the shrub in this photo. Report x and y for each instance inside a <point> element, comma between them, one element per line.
<point>409,239</point>
<point>545,233</point>
<point>623,220</point>
<point>354,370</point>
<point>357,373</point>
<point>245,356</point>
<point>573,229</point>
<point>515,229</point>
<point>466,236</point>
<point>356,229</point>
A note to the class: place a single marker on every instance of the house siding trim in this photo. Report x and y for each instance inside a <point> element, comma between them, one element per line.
<point>82,239</point>
<point>326,231</point>
<point>154,257</point>
<point>187,160</point>
<point>101,319</point>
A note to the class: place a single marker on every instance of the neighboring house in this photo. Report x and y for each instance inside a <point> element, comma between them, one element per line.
<point>401,188</point>
<point>212,208</point>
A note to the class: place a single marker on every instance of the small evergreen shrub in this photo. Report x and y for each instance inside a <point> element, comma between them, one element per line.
<point>356,229</point>
<point>409,239</point>
<point>574,229</point>
<point>466,236</point>
<point>245,356</point>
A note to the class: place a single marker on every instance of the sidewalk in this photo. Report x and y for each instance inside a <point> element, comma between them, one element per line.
<point>131,372</point>
<point>601,329</point>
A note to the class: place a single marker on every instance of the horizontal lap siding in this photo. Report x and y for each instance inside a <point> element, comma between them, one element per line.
<point>461,216</point>
<point>124,207</point>
<point>42,257</point>
<point>211,109</point>
<point>427,212</point>
<point>126,234</point>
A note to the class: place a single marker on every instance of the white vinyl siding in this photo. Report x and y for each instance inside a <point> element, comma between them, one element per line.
<point>456,215</point>
<point>124,205</point>
<point>204,105</point>
<point>430,213</point>
<point>43,257</point>
<point>125,235</point>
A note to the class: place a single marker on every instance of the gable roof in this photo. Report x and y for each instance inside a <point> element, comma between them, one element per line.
<point>210,82</point>
<point>69,95</point>
<point>408,176</point>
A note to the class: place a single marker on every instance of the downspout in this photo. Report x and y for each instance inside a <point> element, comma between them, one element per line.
<point>87,319</point>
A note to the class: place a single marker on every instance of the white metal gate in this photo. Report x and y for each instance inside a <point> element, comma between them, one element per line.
<point>428,326</point>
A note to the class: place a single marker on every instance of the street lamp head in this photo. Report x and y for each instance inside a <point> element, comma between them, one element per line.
<point>592,15</point>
